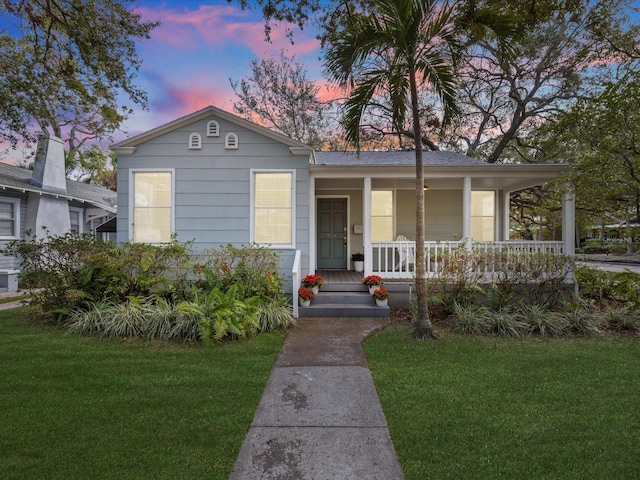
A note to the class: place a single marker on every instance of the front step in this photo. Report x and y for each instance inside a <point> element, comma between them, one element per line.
<point>344,301</point>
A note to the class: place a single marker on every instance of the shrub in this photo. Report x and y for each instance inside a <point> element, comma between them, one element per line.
<point>275,314</point>
<point>622,318</point>
<point>580,320</point>
<point>602,286</point>
<point>469,319</point>
<point>504,323</point>
<point>254,269</point>
<point>149,318</point>
<point>539,320</point>
<point>227,314</point>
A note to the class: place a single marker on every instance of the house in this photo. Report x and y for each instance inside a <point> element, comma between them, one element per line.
<point>216,179</point>
<point>43,202</point>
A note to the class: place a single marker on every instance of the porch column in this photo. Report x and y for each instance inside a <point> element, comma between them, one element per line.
<point>569,220</point>
<point>569,227</point>
<point>366,222</point>
<point>506,224</point>
<point>312,225</point>
<point>466,210</point>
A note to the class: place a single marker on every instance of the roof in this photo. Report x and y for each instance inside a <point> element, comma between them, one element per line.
<point>395,158</point>
<point>17,178</point>
<point>132,142</point>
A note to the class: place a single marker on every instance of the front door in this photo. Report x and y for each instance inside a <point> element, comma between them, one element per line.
<point>332,233</point>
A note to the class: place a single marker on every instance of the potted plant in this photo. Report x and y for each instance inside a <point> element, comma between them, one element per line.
<point>373,282</point>
<point>358,261</point>
<point>382,296</point>
<point>314,282</point>
<point>305,295</point>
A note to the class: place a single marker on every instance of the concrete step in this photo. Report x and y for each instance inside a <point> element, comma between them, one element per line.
<point>344,304</point>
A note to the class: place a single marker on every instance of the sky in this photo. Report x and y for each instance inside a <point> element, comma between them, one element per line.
<point>199,45</point>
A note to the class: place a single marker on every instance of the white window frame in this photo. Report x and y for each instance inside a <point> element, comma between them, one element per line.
<point>231,141</point>
<point>80,212</point>
<point>494,216</point>
<point>132,197</point>
<point>195,141</point>
<point>16,217</point>
<point>393,212</point>
<point>252,207</point>
<point>213,129</point>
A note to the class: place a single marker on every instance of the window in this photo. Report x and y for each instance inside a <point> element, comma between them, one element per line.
<point>195,141</point>
<point>382,215</point>
<point>273,208</point>
<point>483,207</point>
<point>76,219</point>
<point>213,129</point>
<point>152,209</point>
<point>231,141</point>
<point>9,217</point>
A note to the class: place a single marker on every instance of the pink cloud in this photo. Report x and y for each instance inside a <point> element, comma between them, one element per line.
<point>213,25</point>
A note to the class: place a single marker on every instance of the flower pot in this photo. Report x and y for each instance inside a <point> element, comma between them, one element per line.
<point>315,289</point>
<point>373,288</point>
<point>358,266</point>
<point>381,303</point>
<point>303,302</point>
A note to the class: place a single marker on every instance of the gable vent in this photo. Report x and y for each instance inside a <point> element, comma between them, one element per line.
<point>195,141</point>
<point>213,129</point>
<point>231,141</point>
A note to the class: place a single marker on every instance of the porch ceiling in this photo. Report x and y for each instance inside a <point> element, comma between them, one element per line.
<point>483,177</point>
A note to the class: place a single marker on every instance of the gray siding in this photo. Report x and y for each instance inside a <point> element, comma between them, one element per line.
<point>212,185</point>
<point>443,214</point>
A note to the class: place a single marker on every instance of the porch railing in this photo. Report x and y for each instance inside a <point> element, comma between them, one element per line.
<point>295,282</point>
<point>397,259</point>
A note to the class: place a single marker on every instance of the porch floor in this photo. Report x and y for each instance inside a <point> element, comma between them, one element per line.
<point>340,276</point>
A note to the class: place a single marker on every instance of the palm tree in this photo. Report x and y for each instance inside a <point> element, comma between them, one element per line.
<point>392,49</point>
<point>395,47</point>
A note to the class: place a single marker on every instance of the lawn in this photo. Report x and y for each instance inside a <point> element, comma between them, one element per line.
<point>78,408</point>
<point>486,408</point>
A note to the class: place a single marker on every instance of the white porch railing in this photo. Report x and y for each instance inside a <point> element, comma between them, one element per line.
<point>397,259</point>
<point>295,282</point>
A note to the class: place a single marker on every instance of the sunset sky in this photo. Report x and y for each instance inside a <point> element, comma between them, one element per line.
<point>197,48</point>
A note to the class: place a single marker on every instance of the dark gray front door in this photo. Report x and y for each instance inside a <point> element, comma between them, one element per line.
<point>332,232</point>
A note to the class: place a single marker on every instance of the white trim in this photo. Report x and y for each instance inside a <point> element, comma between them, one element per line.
<point>506,217</point>
<point>281,246</point>
<point>231,141</point>
<point>195,141</point>
<point>131,193</point>
<point>16,218</point>
<point>366,219</point>
<point>466,209</point>
<point>313,252</point>
<point>80,212</point>
<point>213,128</point>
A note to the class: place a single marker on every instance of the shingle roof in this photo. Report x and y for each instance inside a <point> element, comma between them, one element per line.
<point>394,158</point>
<point>17,178</point>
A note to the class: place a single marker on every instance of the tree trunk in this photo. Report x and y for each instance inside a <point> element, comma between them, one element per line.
<point>423,326</point>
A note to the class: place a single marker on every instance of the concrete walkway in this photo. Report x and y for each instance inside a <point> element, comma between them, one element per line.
<point>320,417</point>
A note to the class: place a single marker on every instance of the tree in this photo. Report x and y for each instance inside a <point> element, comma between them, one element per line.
<point>64,66</point>
<point>392,49</point>
<point>599,135</point>
<point>282,96</point>
<point>564,44</point>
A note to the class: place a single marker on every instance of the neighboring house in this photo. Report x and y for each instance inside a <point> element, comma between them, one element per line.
<point>216,179</point>
<point>43,201</point>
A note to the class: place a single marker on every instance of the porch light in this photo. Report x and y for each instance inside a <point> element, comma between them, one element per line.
<point>426,187</point>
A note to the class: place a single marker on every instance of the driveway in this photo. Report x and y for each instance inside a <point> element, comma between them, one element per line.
<point>613,266</point>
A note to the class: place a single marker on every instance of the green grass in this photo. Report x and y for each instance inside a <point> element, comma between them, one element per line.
<point>487,408</point>
<point>79,408</point>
